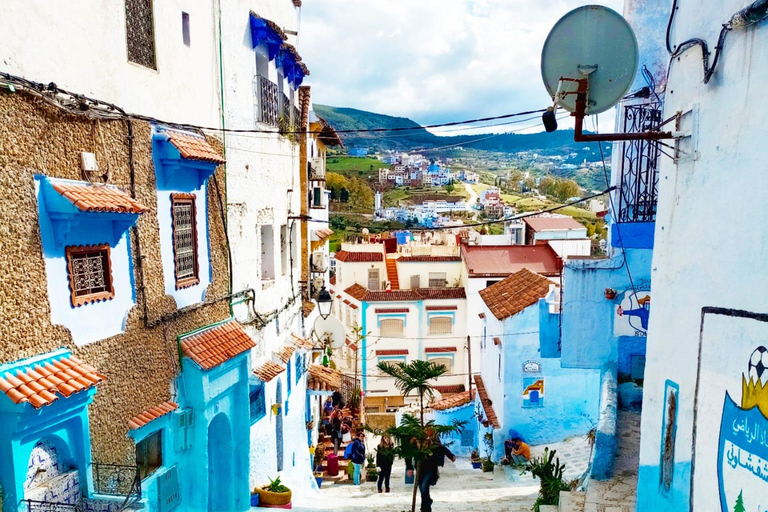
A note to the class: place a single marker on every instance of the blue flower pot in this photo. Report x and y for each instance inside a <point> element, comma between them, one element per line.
<point>477,465</point>
<point>319,481</point>
<point>254,500</point>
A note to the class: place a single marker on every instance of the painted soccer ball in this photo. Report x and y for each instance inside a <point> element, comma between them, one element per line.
<point>758,365</point>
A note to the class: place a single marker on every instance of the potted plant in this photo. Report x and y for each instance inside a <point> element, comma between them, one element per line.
<point>487,462</point>
<point>610,293</point>
<point>474,458</point>
<point>273,494</point>
<point>371,473</point>
<point>549,471</point>
<point>276,408</point>
<point>319,456</point>
<point>310,425</point>
<point>488,465</point>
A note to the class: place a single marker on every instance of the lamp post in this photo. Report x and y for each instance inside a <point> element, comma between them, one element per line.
<point>324,303</point>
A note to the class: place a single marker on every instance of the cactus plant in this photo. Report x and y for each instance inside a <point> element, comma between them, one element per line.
<point>549,471</point>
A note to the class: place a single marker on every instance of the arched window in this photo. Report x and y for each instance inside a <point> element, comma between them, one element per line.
<point>392,327</point>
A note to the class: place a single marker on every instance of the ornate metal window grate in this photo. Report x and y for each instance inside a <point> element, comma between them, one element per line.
<point>116,480</point>
<point>90,277</point>
<point>184,239</point>
<point>638,191</point>
<point>140,32</point>
<point>48,506</point>
<point>265,98</point>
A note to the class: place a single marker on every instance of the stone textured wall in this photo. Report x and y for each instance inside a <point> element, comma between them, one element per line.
<point>141,363</point>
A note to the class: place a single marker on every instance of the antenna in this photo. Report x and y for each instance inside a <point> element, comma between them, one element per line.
<point>588,64</point>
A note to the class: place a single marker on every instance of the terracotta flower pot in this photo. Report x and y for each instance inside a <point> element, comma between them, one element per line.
<point>610,295</point>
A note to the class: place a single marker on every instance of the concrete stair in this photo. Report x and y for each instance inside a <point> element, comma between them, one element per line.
<point>571,501</point>
<point>394,281</point>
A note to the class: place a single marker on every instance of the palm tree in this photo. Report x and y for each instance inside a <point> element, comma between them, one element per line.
<point>414,376</point>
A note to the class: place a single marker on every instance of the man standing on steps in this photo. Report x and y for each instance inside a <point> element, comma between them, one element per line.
<point>429,472</point>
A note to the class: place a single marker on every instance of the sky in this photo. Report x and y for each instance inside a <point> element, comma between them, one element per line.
<point>433,61</point>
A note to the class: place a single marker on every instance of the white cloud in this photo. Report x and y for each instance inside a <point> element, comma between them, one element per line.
<point>430,60</point>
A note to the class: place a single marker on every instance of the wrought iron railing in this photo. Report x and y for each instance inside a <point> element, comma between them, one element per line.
<point>265,100</point>
<point>48,506</point>
<point>116,480</point>
<point>348,386</point>
<point>638,190</point>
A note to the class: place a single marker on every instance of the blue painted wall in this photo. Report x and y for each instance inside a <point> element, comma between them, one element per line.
<point>464,413</point>
<point>606,442</point>
<point>571,396</point>
<point>97,320</point>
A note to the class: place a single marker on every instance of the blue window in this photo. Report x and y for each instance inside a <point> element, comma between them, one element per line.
<point>299,367</point>
<point>288,375</point>
<point>258,404</point>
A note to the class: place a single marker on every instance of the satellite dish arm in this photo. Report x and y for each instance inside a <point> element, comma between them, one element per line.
<point>580,113</point>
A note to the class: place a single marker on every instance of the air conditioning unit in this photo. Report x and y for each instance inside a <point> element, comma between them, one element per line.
<point>319,261</point>
<point>317,164</point>
<point>317,283</point>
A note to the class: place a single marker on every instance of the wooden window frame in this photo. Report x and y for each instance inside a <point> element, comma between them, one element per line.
<point>147,464</point>
<point>74,250</point>
<point>185,282</point>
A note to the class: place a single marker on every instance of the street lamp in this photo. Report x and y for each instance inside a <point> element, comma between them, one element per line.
<point>324,303</point>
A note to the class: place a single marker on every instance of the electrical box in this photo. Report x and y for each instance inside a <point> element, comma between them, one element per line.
<point>88,161</point>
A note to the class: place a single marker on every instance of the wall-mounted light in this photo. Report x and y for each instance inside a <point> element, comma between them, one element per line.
<point>324,303</point>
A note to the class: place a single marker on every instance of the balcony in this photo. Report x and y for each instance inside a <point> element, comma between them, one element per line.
<point>265,101</point>
<point>638,190</point>
<point>116,480</point>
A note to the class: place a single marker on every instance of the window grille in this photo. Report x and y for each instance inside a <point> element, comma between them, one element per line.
<point>140,32</point>
<point>184,240</point>
<point>437,279</point>
<point>440,325</point>
<point>265,100</point>
<point>90,275</point>
<point>445,361</point>
<point>638,192</point>
<point>391,327</point>
<point>257,403</point>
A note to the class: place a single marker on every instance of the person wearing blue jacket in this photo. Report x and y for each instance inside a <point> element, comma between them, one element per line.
<point>358,455</point>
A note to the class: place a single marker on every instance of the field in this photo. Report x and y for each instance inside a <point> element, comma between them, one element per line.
<point>350,165</point>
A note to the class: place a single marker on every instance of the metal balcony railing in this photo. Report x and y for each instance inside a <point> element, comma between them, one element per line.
<point>116,480</point>
<point>638,190</point>
<point>265,101</point>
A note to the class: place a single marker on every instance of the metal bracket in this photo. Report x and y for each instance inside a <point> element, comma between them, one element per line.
<point>687,143</point>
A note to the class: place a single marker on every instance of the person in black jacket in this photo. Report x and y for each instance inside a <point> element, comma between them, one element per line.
<point>385,456</point>
<point>429,473</point>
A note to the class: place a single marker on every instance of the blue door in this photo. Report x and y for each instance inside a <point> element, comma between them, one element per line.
<point>279,425</point>
<point>221,490</point>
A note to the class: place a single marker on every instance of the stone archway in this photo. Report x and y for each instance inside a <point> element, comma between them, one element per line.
<point>51,473</point>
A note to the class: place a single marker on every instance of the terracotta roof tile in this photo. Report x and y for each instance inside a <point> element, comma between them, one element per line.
<point>297,3</point>
<point>99,198</point>
<point>300,342</point>
<point>442,308</point>
<point>323,233</point>
<point>353,306</point>
<point>356,291</point>
<point>442,293</point>
<point>359,257</point>
<point>486,402</point>
<point>271,24</point>
<point>44,382</point>
<point>194,147</point>
<point>433,350</point>
<point>497,341</point>
<point>332,280</point>
<point>307,307</point>
<point>322,378</point>
<point>215,345</point>
<point>286,352</point>
<point>434,259</point>
<point>515,293</point>
<point>380,311</point>
<point>328,135</point>
<point>452,401</point>
<point>268,371</point>
<point>391,352</point>
<point>151,414</point>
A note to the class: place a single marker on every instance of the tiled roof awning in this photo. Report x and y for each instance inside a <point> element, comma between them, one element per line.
<point>266,32</point>
<point>453,401</point>
<point>439,350</point>
<point>322,378</point>
<point>359,257</point>
<point>290,60</point>
<point>301,343</point>
<point>42,381</point>
<point>515,293</point>
<point>321,234</point>
<point>268,371</point>
<point>286,352</point>
<point>185,153</point>
<point>393,352</point>
<point>485,401</point>
<point>151,414</point>
<point>73,205</point>
<point>215,345</point>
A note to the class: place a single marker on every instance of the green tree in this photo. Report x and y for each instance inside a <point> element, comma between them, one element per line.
<point>335,182</point>
<point>416,440</point>
<point>567,189</point>
<point>344,195</point>
<point>739,507</point>
<point>450,188</point>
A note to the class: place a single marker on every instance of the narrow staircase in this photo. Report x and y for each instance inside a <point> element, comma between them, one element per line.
<point>394,282</point>
<point>341,477</point>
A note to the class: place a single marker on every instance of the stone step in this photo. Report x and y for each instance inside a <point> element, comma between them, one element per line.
<point>572,501</point>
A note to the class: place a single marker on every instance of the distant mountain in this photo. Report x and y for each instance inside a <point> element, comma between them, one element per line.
<point>557,143</point>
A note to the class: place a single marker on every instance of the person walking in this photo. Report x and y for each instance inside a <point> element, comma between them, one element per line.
<point>336,430</point>
<point>358,456</point>
<point>429,472</point>
<point>385,457</point>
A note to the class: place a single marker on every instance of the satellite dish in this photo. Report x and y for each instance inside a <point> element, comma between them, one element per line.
<point>330,329</point>
<point>592,42</point>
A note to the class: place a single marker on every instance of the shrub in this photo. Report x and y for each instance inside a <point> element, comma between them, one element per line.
<point>550,475</point>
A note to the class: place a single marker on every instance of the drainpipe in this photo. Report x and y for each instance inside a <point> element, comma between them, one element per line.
<point>304,99</point>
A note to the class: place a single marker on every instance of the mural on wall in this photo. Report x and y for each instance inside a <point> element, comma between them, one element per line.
<point>633,311</point>
<point>733,382</point>
<point>533,391</point>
